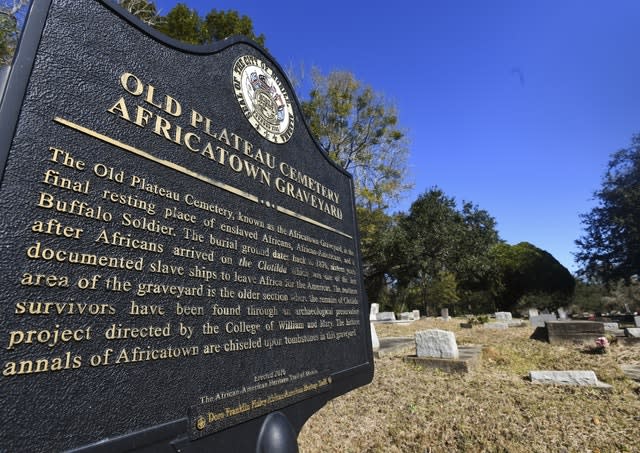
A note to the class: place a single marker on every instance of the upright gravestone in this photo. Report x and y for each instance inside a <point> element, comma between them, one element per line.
<point>444,314</point>
<point>563,314</point>
<point>533,312</point>
<point>636,320</point>
<point>503,316</point>
<point>436,343</point>
<point>542,319</point>
<point>373,312</point>
<point>386,316</point>
<point>180,266</point>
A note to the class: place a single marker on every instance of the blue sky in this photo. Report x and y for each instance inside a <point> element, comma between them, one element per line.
<point>515,106</point>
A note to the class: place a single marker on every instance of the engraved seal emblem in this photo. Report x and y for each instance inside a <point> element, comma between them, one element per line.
<point>263,99</point>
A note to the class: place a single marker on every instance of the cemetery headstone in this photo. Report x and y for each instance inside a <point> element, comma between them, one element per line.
<point>444,313</point>
<point>437,349</point>
<point>496,325</point>
<point>375,342</point>
<point>562,314</point>
<point>633,332</point>
<point>180,258</point>
<point>373,311</point>
<point>572,377</point>
<point>406,316</point>
<point>386,316</point>
<point>503,316</point>
<point>540,320</point>
<point>573,331</point>
<point>416,314</point>
<point>533,312</point>
<point>636,319</point>
<point>436,343</point>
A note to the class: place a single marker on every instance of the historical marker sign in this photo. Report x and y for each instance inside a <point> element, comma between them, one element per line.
<point>179,259</point>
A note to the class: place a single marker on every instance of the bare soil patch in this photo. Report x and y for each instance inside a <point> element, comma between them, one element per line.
<point>494,408</point>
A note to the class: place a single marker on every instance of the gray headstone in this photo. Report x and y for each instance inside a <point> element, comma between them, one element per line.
<point>386,316</point>
<point>445,314</point>
<point>416,314</point>
<point>503,316</point>
<point>373,311</point>
<point>637,320</point>
<point>436,343</point>
<point>496,325</point>
<point>632,332</point>
<point>573,331</point>
<point>583,378</point>
<point>540,320</point>
<point>611,326</point>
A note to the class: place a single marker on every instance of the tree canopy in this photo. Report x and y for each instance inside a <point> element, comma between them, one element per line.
<point>359,130</point>
<point>610,248</point>
<point>444,250</point>
<point>185,24</point>
<point>524,269</point>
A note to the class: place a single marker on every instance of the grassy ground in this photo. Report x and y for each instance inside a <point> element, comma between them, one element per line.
<point>494,408</point>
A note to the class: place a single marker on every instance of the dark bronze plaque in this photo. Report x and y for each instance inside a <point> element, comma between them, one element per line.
<point>180,259</point>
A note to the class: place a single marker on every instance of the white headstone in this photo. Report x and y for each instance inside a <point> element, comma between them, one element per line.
<point>375,342</point>
<point>445,314</point>
<point>587,378</point>
<point>375,309</point>
<point>416,314</point>
<point>637,320</point>
<point>386,316</point>
<point>562,314</point>
<point>436,343</point>
<point>497,325</point>
<point>503,316</point>
<point>533,312</point>
<point>406,316</point>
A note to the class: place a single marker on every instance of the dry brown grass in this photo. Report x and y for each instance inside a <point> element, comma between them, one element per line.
<point>492,409</point>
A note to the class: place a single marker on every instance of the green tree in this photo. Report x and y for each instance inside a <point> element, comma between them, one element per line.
<point>610,247</point>
<point>359,130</point>
<point>182,23</point>
<point>474,266</point>
<point>524,269</point>
<point>219,25</point>
<point>377,236</point>
<point>444,250</point>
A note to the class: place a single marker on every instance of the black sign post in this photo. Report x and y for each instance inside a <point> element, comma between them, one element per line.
<point>180,267</point>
